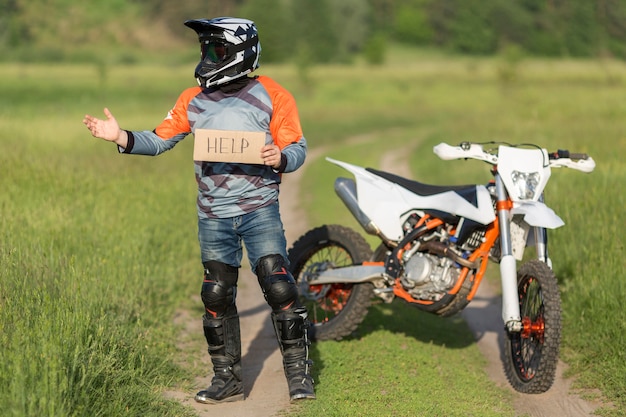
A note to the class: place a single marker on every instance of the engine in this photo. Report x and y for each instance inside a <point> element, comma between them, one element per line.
<point>433,264</point>
<point>427,276</point>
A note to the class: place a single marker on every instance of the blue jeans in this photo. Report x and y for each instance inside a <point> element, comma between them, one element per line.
<point>261,232</point>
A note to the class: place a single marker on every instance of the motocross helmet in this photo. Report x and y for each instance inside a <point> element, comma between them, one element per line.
<point>229,47</point>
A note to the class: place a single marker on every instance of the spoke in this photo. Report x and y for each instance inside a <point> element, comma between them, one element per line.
<point>327,301</point>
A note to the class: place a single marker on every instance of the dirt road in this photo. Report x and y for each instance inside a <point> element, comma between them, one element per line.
<point>265,385</point>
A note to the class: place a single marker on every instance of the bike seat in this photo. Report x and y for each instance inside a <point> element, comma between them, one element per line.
<point>466,191</point>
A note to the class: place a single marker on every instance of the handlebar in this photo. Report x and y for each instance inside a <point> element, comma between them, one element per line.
<point>561,153</point>
<point>567,159</point>
<point>560,158</point>
<point>465,150</point>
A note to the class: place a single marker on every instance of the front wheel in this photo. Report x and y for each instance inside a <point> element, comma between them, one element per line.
<point>335,310</point>
<point>531,356</point>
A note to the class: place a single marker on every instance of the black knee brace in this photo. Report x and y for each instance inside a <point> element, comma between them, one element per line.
<point>277,283</point>
<point>219,289</point>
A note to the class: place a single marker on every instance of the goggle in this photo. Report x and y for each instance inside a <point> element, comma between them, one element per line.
<point>213,51</point>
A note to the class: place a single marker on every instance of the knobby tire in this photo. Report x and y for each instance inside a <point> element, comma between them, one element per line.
<point>531,356</point>
<point>334,310</point>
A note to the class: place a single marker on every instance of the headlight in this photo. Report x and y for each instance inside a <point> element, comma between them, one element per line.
<point>525,184</point>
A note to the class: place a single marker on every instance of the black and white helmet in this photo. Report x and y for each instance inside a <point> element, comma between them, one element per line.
<point>229,46</point>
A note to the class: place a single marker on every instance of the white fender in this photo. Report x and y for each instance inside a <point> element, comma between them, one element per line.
<point>537,214</point>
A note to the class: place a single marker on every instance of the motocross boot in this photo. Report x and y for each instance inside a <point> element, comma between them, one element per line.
<point>291,331</point>
<point>224,340</point>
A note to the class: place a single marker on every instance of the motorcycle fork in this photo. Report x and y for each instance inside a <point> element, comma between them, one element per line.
<point>541,242</point>
<point>508,267</point>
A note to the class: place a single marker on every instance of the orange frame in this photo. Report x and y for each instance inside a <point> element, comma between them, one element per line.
<point>492,233</point>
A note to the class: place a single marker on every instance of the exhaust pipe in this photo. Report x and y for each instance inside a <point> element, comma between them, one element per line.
<point>346,190</point>
<point>439,248</point>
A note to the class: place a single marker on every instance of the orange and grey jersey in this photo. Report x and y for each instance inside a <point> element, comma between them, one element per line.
<point>231,189</point>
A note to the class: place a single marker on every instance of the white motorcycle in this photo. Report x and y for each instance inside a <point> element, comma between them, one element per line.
<point>436,242</point>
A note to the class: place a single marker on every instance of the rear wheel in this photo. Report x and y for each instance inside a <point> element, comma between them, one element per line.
<point>335,310</point>
<point>531,355</point>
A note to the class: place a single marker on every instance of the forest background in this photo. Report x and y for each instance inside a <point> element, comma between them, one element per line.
<point>315,31</point>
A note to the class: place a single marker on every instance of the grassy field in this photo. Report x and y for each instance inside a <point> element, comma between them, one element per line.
<point>98,250</point>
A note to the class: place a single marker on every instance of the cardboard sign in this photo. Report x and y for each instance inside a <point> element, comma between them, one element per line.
<point>228,146</point>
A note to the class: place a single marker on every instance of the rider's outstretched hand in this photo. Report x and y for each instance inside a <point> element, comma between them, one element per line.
<point>108,129</point>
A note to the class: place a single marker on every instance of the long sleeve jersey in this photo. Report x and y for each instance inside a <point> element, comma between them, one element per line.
<point>231,189</point>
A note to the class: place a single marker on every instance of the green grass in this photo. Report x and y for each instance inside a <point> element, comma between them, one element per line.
<point>404,362</point>
<point>95,254</point>
<point>98,250</point>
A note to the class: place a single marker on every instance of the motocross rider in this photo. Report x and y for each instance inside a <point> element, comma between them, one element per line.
<point>236,202</point>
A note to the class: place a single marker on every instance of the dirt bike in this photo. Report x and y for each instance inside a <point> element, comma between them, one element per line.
<point>435,245</point>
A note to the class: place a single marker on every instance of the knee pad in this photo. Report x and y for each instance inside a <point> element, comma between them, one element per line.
<point>277,283</point>
<point>219,288</point>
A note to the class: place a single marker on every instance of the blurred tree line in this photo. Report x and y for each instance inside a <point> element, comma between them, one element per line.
<point>320,31</point>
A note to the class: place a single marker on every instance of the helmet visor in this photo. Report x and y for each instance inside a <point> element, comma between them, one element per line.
<point>213,51</point>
